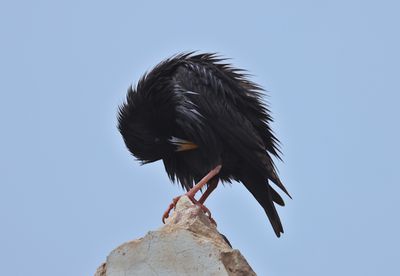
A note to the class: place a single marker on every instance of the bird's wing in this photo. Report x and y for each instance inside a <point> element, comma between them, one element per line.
<point>232,106</point>
<point>233,84</point>
<point>220,108</point>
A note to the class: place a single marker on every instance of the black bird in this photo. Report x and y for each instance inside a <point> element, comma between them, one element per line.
<point>202,116</point>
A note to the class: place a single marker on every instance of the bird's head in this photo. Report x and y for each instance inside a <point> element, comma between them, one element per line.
<point>144,127</point>
<point>147,126</point>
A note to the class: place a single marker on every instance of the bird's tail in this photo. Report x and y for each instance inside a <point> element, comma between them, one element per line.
<point>266,196</point>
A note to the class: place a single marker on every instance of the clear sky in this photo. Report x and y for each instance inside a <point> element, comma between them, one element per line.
<point>70,192</point>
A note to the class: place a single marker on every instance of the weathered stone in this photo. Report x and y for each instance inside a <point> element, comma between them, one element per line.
<point>101,270</point>
<point>188,244</point>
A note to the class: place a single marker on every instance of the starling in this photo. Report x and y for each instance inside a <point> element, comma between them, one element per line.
<point>206,121</point>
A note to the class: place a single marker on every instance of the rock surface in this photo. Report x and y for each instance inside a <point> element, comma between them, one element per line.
<point>188,244</point>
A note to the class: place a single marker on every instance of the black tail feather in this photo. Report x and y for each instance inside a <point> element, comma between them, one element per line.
<point>265,196</point>
<point>274,178</point>
<point>276,197</point>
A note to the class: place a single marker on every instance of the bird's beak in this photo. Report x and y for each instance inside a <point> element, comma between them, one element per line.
<point>182,145</point>
<point>186,146</point>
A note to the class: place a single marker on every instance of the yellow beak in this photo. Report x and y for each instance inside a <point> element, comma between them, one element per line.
<point>186,146</point>
<point>182,145</point>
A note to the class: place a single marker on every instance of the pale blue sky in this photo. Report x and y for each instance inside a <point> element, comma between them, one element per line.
<point>70,191</point>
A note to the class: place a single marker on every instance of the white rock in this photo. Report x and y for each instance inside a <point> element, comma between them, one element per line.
<point>188,244</point>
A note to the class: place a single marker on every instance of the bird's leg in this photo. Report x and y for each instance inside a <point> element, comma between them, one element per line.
<point>192,192</point>
<point>212,184</point>
<point>210,188</point>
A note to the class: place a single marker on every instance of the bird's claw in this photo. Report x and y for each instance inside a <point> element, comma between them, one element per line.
<point>170,207</point>
<point>194,201</point>
<point>207,212</point>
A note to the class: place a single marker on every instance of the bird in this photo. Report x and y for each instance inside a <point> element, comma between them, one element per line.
<point>207,122</point>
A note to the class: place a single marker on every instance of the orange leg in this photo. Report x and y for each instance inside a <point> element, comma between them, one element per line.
<point>192,192</point>
<point>211,187</point>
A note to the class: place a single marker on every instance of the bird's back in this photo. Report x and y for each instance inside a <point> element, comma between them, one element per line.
<point>225,101</point>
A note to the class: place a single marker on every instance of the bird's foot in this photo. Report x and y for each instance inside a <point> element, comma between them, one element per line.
<point>170,207</point>
<point>194,201</point>
<point>207,212</point>
<point>192,192</point>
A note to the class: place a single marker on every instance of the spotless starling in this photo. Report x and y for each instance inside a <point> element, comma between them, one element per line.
<point>206,121</point>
